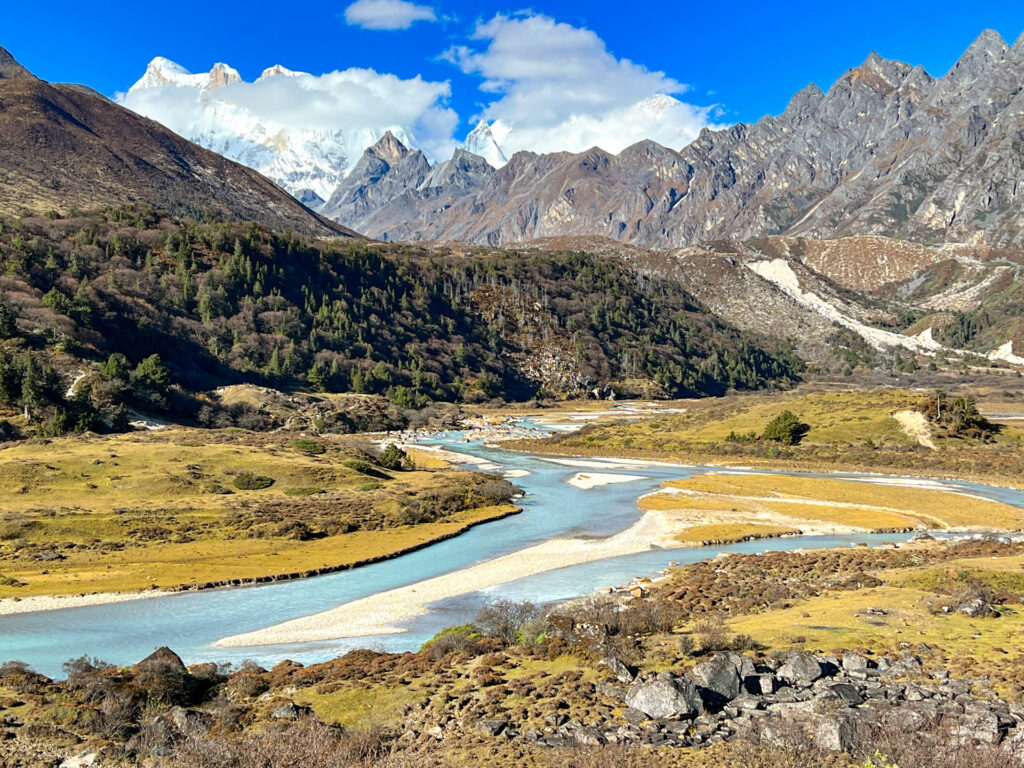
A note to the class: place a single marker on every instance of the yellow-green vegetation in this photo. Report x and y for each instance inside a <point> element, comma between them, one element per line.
<point>880,619</point>
<point>187,507</point>
<point>362,707</point>
<point>724,533</point>
<point>849,429</point>
<point>785,500</point>
<point>834,417</point>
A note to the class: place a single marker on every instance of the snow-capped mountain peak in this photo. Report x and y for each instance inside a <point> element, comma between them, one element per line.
<point>278,71</point>
<point>244,125</point>
<point>481,141</point>
<point>163,71</point>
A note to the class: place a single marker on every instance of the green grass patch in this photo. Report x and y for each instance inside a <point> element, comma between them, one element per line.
<point>310,447</point>
<point>250,481</point>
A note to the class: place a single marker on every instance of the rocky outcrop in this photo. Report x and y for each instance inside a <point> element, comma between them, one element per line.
<point>796,698</point>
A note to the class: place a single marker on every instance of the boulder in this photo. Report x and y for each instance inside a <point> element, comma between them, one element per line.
<point>290,711</point>
<point>855,662</point>
<point>491,727</point>
<point>800,667</point>
<point>761,685</point>
<point>844,693</point>
<point>832,732</point>
<point>717,679</point>
<point>666,698</point>
<point>618,668</point>
<point>162,657</point>
<point>977,608</point>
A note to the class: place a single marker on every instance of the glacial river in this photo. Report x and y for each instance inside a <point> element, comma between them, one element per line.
<point>190,622</point>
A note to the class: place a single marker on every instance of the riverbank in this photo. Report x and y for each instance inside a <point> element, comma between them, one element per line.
<point>384,612</point>
<point>870,431</point>
<point>34,603</point>
<point>684,513</point>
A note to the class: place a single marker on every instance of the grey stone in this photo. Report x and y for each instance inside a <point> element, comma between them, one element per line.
<point>800,667</point>
<point>718,679</point>
<point>843,692</point>
<point>855,661</point>
<point>666,698</point>
<point>833,732</point>
<point>289,711</point>
<point>491,727</point>
<point>618,668</point>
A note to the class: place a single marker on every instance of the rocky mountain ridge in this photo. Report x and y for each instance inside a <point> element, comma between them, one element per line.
<point>854,298</point>
<point>887,150</point>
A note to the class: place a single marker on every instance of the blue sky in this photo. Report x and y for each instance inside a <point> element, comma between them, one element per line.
<point>744,59</point>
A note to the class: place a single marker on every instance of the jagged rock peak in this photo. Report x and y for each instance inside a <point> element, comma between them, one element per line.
<point>10,69</point>
<point>805,101</point>
<point>481,141</point>
<point>988,49</point>
<point>389,148</point>
<point>875,68</point>
<point>278,71</point>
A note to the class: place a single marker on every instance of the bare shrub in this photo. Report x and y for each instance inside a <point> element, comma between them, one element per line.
<point>938,744</point>
<point>307,743</point>
<point>713,635</point>
<point>505,619</point>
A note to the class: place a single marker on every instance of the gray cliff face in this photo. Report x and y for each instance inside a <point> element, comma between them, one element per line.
<point>888,149</point>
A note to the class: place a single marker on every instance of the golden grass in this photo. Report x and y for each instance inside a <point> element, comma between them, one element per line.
<point>426,459</point>
<point>841,620</point>
<point>668,501</point>
<point>199,562</point>
<point>135,511</point>
<point>849,429</point>
<point>726,532</point>
<point>877,505</point>
<point>836,417</point>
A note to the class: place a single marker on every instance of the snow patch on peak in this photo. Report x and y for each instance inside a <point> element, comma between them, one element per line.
<point>259,125</point>
<point>482,142</point>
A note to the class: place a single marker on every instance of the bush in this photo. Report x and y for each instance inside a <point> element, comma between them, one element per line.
<point>312,447</point>
<point>786,428</point>
<point>506,619</point>
<point>250,481</point>
<point>463,637</point>
<point>394,458</point>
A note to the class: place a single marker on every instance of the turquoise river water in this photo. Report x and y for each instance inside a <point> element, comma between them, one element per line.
<point>190,622</point>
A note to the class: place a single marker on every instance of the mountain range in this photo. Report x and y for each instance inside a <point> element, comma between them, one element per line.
<point>67,147</point>
<point>308,162</point>
<point>887,149</point>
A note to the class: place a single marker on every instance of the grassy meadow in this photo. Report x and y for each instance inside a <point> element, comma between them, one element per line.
<point>176,507</point>
<point>853,430</point>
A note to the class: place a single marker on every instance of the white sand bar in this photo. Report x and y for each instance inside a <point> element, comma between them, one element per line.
<point>380,614</point>
<point>11,605</point>
<point>588,480</point>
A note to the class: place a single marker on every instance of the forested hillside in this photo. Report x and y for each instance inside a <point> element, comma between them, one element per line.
<point>220,302</point>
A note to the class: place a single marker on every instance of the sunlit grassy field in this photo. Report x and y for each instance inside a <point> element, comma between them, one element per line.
<point>179,507</point>
<point>764,503</point>
<point>849,429</point>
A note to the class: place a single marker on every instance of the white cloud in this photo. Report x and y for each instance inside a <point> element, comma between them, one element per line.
<point>387,14</point>
<point>558,87</point>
